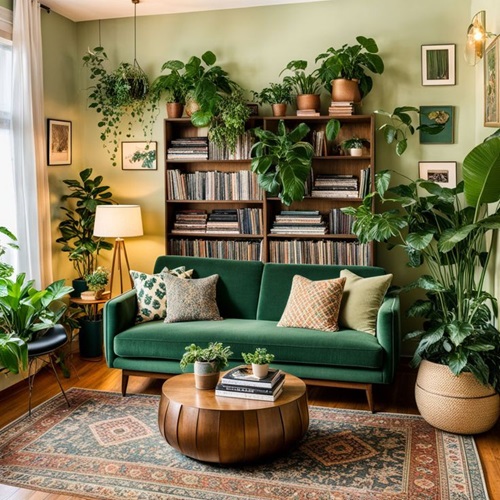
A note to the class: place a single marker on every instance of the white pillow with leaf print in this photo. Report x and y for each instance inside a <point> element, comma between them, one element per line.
<point>151,292</point>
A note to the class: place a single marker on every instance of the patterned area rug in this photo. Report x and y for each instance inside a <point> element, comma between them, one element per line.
<point>109,447</point>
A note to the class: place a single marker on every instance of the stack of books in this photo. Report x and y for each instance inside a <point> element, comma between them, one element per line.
<point>223,221</point>
<point>340,223</point>
<point>342,108</point>
<point>307,112</point>
<point>299,222</point>
<point>240,382</point>
<point>188,148</point>
<point>190,221</point>
<point>335,186</point>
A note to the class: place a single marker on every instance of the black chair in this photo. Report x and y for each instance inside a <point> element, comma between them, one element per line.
<point>46,345</point>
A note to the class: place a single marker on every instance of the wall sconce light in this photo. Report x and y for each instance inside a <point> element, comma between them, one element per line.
<point>476,38</point>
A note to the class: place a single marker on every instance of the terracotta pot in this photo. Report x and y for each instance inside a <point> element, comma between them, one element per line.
<point>279,109</point>
<point>175,109</point>
<point>345,90</point>
<point>260,371</point>
<point>204,375</point>
<point>461,405</point>
<point>308,101</point>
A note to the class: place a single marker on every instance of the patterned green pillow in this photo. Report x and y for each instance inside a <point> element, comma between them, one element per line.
<point>191,300</point>
<point>151,292</point>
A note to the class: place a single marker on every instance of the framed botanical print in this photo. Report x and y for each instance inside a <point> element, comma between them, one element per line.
<point>58,142</point>
<point>443,173</point>
<point>138,155</point>
<point>492,84</point>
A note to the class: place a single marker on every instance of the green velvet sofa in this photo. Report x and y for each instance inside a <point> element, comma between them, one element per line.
<point>251,297</point>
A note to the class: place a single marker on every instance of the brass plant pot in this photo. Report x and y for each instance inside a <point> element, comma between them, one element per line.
<point>345,90</point>
<point>175,109</point>
<point>279,109</point>
<point>309,101</point>
<point>461,405</point>
<point>191,107</point>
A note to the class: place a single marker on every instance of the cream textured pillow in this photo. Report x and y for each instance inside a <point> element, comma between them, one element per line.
<point>361,301</point>
<point>191,300</point>
<point>150,288</point>
<point>313,304</point>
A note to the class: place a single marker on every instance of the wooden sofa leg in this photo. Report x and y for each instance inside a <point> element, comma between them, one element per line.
<point>124,383</point>
<point>369,397</point>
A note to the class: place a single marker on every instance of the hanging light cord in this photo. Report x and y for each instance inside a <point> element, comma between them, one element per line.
<point>135,30</point>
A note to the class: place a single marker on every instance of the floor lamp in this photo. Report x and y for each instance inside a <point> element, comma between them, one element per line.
<point>118,221</point>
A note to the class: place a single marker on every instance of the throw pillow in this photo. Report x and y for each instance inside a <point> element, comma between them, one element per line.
<point>191,300</point>
<point>150,288</point>
<point>313,304</point>
<point>361,300</point>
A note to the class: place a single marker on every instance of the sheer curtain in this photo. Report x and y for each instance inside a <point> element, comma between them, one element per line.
<point>32,207</point>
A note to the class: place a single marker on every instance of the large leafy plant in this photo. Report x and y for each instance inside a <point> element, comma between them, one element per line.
<point>448,230</point>
<point>77,229</point>
<point>282,160</point>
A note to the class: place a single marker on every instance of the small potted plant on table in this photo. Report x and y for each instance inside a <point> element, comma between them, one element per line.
<point>96,282</point>
<point>259,359</point>
<point>208,362</point>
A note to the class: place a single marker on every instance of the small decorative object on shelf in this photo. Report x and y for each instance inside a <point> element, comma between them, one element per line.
<point>96,282</point>
<point>208,362</point>
<point>259,359</point>
<point>354,146</point>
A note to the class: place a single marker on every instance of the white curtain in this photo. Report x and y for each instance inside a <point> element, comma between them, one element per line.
<point>28,127</point>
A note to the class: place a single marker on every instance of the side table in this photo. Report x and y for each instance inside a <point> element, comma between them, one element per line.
<point>90,336</point>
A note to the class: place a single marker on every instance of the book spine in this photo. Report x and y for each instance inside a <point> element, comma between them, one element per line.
<point>246,395</point>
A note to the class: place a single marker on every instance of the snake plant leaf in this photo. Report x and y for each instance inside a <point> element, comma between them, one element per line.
<point>481,173</point>
<point>450,237</point>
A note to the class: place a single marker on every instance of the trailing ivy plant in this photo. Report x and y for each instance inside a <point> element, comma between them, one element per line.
<point>122,94</point>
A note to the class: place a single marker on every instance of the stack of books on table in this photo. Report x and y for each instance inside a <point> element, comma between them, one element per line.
<point>240,382</point>
<point>188,148</point>
<point>335,186</point>
<point>299,222</point>
<point>342,108</point>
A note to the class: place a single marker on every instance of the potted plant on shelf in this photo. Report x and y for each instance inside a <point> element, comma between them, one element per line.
<point>354,146</point>
<point>96,283</point>
<point>282,160</point>
<point>307,86</point>
<point>119,94</point>
<point>77,229</point>
<point>208,362</point>
<point>458,353</point>
<point>259,359</point>
<point>278,95</point>
<point>344,70</point>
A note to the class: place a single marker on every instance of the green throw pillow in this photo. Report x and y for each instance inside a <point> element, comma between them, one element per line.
<point>191,300</point>
<point>361,301</point>
<point>151,293</point>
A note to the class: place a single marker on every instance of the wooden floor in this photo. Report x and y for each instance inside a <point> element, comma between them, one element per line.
<point>397,398</point>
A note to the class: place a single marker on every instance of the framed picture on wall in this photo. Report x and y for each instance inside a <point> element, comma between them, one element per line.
<point>443,173</point>
<point>442,115</point>
<point>492,84</point>
<point>438,64</point>
<point>139,155</point>
<point>58,142</point>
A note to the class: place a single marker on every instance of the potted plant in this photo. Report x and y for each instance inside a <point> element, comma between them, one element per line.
<point>97,282</point>
<point>278,95</point>
<point>437,227</point>
<point>306,85</point>
<point>259,359</point>
<point>208,362</point>
<point>119,94</point>
<point>354,146</point>
<point>282,160</point>
<point>344,70</point>
<point>77,229</point>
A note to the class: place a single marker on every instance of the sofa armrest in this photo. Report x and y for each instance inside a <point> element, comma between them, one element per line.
<point>389,335</point>
<point>119,314</point>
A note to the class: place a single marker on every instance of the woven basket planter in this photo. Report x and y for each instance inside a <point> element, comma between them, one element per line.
<point>461,405</point>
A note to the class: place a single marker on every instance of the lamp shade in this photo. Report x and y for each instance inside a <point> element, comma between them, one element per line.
<point>118,221</point>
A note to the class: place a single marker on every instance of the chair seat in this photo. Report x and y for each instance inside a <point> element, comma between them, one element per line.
<point>52,340</point>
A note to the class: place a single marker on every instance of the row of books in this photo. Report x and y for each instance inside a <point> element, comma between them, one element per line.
<point>339,222</point>
<point>240,382</point>
<point>319,143</point>
<point>188,148</point>
<point>343,108</point>
<point>213,185</point>
<point>299,222</point>
<point>218,249</point>
<point>344,253</point>
<point>242,150</point>
<point>335,186</point>
<point>235,221</point>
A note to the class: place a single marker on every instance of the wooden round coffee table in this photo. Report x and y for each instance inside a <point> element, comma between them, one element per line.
<point>223,430</point>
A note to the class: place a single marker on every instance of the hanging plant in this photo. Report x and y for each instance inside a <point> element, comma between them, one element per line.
<point>123,94</point>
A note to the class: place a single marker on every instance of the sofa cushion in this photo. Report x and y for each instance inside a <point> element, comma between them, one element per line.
<point>191,300</point>
<point>238,286</point>
<point>313,304</point>
<point>277,282</point>
<point>151,301</point>
<point>361,300</point>
<point>158,340</point>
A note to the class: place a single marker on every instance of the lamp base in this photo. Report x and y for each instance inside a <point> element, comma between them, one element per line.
<point>119,252</point>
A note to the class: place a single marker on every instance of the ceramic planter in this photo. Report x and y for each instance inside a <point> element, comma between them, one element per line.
<point>260,371</point>
<point>279,109</point>
<point>356,151</point>
<point>205,376</point>
<point>308,101</point>
<point>175,109</point>
<point>461,405</point>
<point>345,90</point>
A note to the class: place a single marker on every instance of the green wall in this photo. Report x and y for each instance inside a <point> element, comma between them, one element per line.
<point>8,4</point>
<point>254,45</point>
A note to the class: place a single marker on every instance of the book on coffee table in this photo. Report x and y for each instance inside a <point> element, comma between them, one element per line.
<point>243,392</point>
<point>243,376</point>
